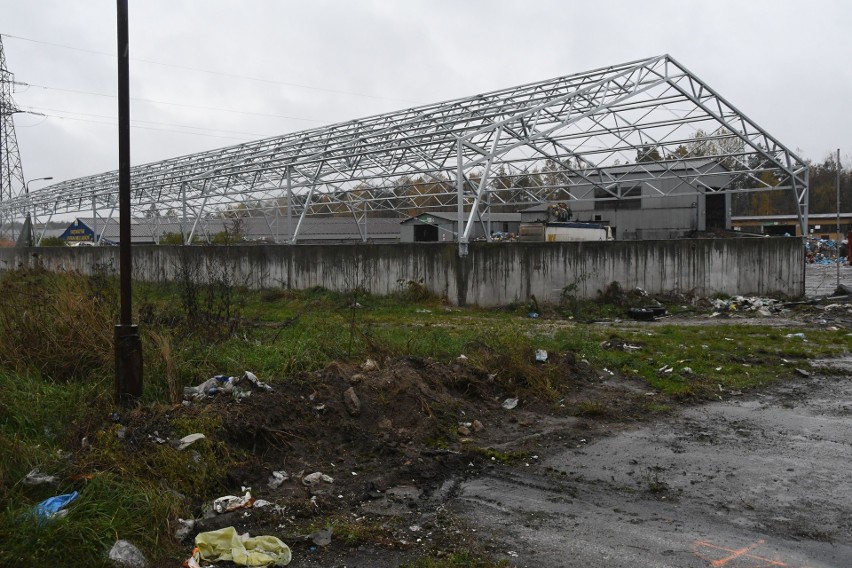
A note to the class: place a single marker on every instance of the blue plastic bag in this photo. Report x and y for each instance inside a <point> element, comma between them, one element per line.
<point>49,508</point>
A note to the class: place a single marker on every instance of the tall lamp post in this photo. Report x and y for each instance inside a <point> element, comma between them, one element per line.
<point>28,224</point>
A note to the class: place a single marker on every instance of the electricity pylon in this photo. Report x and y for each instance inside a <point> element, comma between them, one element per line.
<point>11,173</point>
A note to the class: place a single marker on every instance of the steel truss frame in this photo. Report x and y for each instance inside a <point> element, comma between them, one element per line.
<point>518,146</point>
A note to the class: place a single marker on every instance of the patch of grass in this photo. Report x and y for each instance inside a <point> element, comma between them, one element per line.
<point>109,508</point>
<point>494,455</point>
<point>352,532</point>
<point>54,324</point>
<point>590,408</point>
<point>462,559</point>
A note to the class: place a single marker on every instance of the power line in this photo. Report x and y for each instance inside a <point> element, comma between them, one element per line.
<point>40,110</point>
<point>138,127</point>
<point>184,105</point>
<point>212,72</point>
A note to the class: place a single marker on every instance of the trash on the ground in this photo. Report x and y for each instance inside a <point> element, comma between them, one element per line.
<point>764,306</point>
<point>184,528</point>
<point>155,437</point>
<point>795,335</point>
<point>646,313</point>
<point>313,478</point>
<point>252,378</point>
<point>462,358</point>
<point>322,538</point>
<point>540,356</point>
<point>232,503</point>
<point>124,555</point>
<point>224,384</point>
<point>687,370</point>
<point>225,545</point>
<point>510,403</point>
<point>276,479</point>
<point>261,503</point>
<point>803,373</point>
<point>533,315</point>
<point>54,507</point>
<point>613,344</point>
<point>369,365</point>
<point>35,477</point>
<point>187,441</point>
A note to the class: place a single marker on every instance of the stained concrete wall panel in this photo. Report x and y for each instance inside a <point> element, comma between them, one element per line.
<point>492,274</point>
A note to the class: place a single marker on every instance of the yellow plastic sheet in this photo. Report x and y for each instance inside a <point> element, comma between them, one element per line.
<point>243,550</point>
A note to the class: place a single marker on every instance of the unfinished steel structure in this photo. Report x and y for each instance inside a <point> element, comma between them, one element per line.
<point>518,146</point>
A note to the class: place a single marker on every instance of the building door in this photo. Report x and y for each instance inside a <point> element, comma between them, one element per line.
<point>715,214</point>
<point>425,233</point>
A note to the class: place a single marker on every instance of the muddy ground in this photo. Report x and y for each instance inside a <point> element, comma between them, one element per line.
<point>758,480</point>
<point>423,458</point>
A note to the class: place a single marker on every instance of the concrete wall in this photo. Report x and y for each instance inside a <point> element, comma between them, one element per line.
<point>492,274</point>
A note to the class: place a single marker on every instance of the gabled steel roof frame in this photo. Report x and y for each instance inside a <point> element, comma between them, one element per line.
<point>517,146</point>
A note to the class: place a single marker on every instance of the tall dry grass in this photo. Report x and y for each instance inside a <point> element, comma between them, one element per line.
<point>54,324</point>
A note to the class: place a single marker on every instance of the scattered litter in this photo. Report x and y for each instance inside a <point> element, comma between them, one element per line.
<point>261,503</point>
<point>184,528</point>
<point>156,438</point>
<point>187,441</point>
<point>125,555</point>
<point>316,477</point>
<point>224,384</point>
<point>540,356</point>
<point>226,545</point>
<point>54,507</point>
<point>276,479</point>
<point>252,378</point>
<point>795,335</point>
<point>35,477</point>
<point>232,503</point>
<point>423,311</point>
<point>512,553</point>
<point>462,358</point>
<point>647,313</point>
<point>687,370</point>
<point>510,403</point>
<point>369,365</point>
<point>764,306</point>
<point>803,373</point>
<point>532,315</point>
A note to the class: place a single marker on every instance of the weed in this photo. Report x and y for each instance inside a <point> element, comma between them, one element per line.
<point>494,455</point>
<point>54,324</point>
<point>590,409</point>
<point>654,484</point>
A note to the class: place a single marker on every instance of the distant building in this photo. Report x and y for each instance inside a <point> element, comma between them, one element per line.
<point>820,225</point>
<point>650,201</point>
<point>314,230</point>
<point>443,227</point>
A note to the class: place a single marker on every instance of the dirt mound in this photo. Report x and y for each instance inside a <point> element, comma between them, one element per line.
<point>371,446</point>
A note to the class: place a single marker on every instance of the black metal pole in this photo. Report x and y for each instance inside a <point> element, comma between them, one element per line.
<point>128,347</point>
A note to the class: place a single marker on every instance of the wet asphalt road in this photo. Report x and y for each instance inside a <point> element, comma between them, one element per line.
<point>762,480</point>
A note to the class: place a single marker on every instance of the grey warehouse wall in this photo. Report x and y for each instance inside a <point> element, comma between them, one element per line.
<point>491,275</point>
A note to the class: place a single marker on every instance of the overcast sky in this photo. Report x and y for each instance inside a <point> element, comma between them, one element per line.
<point>212,73</point>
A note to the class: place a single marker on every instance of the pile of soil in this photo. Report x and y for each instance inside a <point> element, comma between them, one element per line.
<point>394,437</point>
